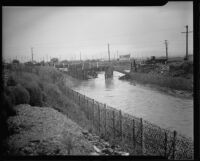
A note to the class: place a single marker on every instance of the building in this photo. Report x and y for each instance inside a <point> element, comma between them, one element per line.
<point>124,57</point>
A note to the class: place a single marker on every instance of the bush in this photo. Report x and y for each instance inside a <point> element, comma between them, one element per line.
<point>187,67</point>
<point>52,90</point>
<point>35,93</point>
<point>49,74</point>
<point>11,81</point>
<point>21,95</point>
<point>8,106</point>
<point>9,92</point>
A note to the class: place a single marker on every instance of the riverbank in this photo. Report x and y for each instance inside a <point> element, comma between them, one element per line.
<point>180,86</point>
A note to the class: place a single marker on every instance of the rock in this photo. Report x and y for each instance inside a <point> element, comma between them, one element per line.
<point>121,153</point>
<point>94,153</point>
<point>125,154</point>
<point>108,151</point>
<point>106,144</point>
<point>35,141</point>
<point>85,132</point>
<point>97,149</point>
<point>113,146</point>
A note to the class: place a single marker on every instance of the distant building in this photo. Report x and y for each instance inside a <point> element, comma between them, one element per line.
<point>124,57</point>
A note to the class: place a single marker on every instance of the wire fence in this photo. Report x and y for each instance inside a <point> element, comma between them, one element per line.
<point>137,136</point>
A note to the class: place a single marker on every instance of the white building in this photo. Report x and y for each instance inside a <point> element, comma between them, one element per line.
<point>124,57</point>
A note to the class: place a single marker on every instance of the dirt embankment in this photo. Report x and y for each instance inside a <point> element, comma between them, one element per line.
<point>45,131</point>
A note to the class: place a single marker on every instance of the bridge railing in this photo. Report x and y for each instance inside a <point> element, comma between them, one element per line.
<point>135,135</point>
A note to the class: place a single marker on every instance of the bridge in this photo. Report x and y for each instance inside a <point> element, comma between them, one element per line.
<point>87,70</point>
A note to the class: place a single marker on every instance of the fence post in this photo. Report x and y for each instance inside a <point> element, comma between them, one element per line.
<point>142,139</point>
<point>93,121</point>
<point>165,144</point>
<point>174,145</point>
<point>76,97</point>
<point>114,124</point>
<point>105,120</point>
<point>84,104</point>
<point>99,116</point>
<point>79,99</point>
<point>88,110</point>
<point>120,123</point>
<point>133,137</point>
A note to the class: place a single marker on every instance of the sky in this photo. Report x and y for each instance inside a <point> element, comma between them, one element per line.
<point>84,32</point>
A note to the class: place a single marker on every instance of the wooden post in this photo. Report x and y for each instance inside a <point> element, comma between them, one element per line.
<point>120,123</point>
<point>84,104</point>
<point>174,145</point>
<point>93,113</point>
<point>142,139</point>
<point>79,99</point>
<point>165,144</point>
<point>99,115</point>
<point>88,110</point>
<point>105,119</point>
<point>114,124</point>
<point>133,137</point>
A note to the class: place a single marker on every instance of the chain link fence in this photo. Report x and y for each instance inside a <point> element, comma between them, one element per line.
<point>135,135</point>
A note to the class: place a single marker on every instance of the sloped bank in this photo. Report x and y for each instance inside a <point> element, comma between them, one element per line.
<point>45,131</point>
<point>174,85</point>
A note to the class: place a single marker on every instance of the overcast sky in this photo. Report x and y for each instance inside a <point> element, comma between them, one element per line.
<point>64,32</point>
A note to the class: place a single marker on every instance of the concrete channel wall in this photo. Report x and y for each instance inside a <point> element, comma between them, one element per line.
<point>137,136</point>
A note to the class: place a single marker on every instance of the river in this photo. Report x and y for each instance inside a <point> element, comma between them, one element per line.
<point>161,108</point>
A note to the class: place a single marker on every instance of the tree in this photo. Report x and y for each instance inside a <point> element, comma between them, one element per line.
<point>54,60</point>
<point>15,61</point>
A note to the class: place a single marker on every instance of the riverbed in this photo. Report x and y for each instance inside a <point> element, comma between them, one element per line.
<point>161,108</point>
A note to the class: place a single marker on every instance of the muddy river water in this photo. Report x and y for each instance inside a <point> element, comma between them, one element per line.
<point>161,108</point>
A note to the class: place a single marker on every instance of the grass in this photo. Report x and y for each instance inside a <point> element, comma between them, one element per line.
<point>46,87</point>
<point>177,83</point>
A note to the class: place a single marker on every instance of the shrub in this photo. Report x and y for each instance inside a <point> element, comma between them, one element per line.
<point>21,95</point>
<point>11,81</point>
<point>52,90</point>
<point>49,74</point>
<point>44,97</point>
<point>53,95</point>
<point>9,92</point>
<point>35,93</point>
<point>187,67</point>
<point>8,106</point>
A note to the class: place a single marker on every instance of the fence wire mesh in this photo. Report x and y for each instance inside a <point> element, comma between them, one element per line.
<point>137,136</point>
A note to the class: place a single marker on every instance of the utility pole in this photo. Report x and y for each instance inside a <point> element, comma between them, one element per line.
<point>186,57</point>
<point>108,52</point>
<point>166,46</point>
<point>80,56</point>
<point>32,54</point>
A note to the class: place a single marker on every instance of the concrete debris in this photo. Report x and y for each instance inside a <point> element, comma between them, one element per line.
<point>102,147</point>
